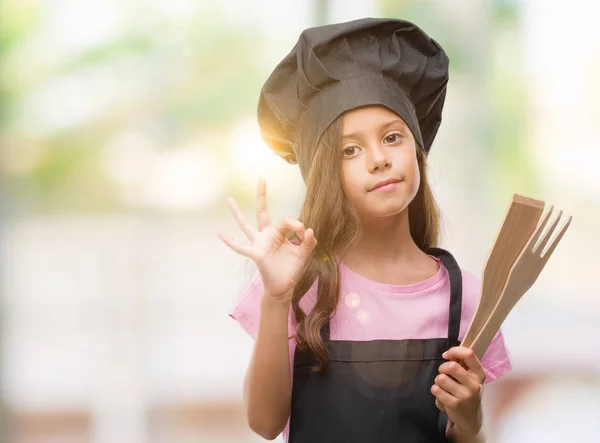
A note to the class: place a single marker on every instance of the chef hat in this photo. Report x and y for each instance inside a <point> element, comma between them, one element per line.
<point>338,67</point>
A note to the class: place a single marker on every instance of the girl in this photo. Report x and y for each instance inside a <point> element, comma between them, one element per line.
<point>353,305</point>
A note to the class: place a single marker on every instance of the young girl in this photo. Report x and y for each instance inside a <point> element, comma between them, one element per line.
<point>353,305</point>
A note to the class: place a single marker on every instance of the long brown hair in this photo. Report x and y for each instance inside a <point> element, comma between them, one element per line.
<point>329,212</point>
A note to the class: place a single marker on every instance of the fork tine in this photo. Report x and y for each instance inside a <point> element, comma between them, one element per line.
<point>539,229</point>
<point>544,241</point>
<point>556,241</point>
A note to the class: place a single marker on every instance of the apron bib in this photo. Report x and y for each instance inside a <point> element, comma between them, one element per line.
<point>376,391</point>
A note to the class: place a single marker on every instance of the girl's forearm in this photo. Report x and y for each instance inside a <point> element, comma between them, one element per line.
<point>268,382</point>
<point>456,435</point>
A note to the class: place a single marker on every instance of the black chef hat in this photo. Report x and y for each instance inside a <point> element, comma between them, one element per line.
<point>338,67</point>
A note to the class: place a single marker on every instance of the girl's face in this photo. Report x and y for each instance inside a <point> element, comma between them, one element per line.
<point>376,146</point>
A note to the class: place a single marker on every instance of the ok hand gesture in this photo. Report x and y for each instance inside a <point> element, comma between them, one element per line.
<point>280,262</point>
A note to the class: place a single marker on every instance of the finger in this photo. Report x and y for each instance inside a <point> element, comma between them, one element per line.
<point>262,214</point>
<point>310,241</point>
<point>448,400</point>
<point>451,386</point>
<point>240,249</point>
<point>288,223</point>
<point>456,371</point>
<point>466,357</point>
<point>465,354</point>
<point>440,405</point>
<point>241,220</point>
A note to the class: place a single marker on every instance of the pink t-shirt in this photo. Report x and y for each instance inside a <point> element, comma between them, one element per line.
<point>370,310</point>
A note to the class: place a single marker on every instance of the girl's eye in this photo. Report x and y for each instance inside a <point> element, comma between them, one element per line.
<point>352,150</point>
<point>393,138</point>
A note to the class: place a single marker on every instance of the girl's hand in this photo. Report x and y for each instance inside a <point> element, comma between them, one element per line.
<point>280,262</point>
<point>460,389</point>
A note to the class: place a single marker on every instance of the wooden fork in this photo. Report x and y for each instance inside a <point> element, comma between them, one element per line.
<point>523,274</point>
<point>521,277</point>
<point>519,222</point>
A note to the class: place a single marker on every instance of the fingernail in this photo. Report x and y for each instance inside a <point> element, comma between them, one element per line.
<point>445,354</point>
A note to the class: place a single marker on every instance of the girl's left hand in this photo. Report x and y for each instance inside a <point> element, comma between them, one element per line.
<point>460,389</point>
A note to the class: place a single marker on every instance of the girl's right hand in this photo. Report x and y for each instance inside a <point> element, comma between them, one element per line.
<point>280,262</point>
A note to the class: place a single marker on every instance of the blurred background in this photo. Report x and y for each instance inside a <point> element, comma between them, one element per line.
<point>126,123</point>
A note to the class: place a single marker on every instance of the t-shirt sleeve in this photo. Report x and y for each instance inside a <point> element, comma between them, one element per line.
<point>246,309</point>
<point>496,360</point>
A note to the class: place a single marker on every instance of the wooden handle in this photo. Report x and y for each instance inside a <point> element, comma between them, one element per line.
<point>510,296</point>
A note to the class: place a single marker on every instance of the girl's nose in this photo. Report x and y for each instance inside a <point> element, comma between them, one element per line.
<point>378,159</point>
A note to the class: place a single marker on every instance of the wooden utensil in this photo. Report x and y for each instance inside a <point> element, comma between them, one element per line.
<point>523,274</point>
<point>521,277</point>
<point>519,222</point>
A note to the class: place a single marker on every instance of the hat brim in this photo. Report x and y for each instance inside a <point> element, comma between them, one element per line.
<point>347,95</point>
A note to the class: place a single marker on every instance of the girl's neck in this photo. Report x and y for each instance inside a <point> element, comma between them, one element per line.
<point>385,241</point>
<point>387,253</point>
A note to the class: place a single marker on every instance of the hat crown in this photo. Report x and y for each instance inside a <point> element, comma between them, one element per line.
<point>337,67</point>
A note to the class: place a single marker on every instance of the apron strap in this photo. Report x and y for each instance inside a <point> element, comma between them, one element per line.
<point>455,276</point>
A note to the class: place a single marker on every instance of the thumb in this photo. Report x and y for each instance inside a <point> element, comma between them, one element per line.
<point>310,241</point>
